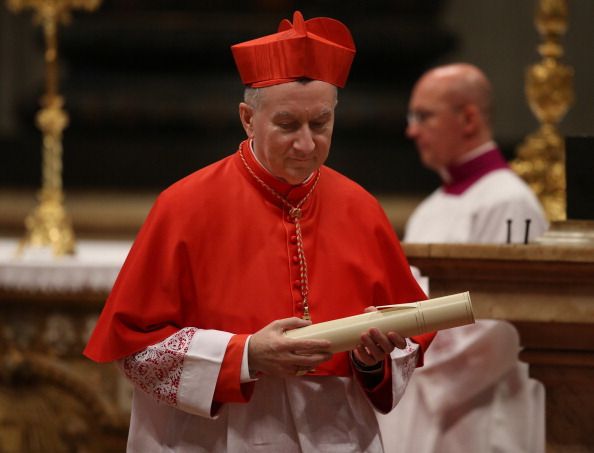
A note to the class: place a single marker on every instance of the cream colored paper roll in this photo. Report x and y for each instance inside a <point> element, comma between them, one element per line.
<point>406,319</point>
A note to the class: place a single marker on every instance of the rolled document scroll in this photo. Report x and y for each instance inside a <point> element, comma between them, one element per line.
<point>407,319</point>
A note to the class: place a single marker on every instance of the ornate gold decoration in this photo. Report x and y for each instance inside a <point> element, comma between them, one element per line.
<point>49,224</point>
<point>51,398</point>
<point>549,90</point>
<point>46,406</point>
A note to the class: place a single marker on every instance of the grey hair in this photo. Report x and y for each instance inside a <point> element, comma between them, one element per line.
<point>253,96</point>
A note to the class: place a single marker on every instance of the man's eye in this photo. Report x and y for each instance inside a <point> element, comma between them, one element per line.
<point>419,116</point>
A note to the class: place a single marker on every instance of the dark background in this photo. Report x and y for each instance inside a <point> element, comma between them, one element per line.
<point>152,90</point>
<point>580,177</point>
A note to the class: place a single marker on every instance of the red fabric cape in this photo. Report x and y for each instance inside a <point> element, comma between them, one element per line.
<point>217,252</point>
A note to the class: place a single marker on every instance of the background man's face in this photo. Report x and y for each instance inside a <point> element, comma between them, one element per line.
<point>292,128</point>
<point>435,125</point>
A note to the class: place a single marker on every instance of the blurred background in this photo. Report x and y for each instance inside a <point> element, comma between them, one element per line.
<point>152,94</point>
<point>152,91</point>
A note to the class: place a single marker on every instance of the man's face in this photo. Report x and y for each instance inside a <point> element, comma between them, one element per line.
<point>291,128</point>
<point>435,124</point>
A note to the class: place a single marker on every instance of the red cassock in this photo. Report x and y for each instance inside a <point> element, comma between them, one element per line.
<point>218,251</point>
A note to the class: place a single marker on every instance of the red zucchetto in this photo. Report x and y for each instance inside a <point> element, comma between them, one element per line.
<point>317,49</point>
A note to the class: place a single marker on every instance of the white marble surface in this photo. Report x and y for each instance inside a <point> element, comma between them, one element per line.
<point>94,266</point>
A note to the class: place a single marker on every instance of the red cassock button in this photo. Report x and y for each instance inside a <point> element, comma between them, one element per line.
<point>299,305</point>
<point>295,259</point>
<point>297,283</point>
<point>294,239</point>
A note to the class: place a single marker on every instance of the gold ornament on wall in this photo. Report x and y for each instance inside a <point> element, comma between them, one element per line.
<point>49,224</point>
<point>549,89</point>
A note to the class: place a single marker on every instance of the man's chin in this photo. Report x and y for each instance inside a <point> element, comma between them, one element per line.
<point>428,163</point>
<point>298,177</point>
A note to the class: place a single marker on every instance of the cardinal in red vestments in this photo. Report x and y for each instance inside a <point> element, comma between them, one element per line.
<point>266,240</point>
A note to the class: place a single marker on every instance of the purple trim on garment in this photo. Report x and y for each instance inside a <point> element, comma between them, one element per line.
<point>465,175</point>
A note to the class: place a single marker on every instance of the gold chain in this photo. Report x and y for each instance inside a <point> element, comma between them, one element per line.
<point>295,213</point>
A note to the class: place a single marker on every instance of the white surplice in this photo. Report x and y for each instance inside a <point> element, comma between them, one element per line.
<point>473,394</point>
<point>174,387</point>
<point>480,214</point>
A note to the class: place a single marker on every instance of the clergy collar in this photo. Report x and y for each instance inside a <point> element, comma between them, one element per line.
<point>471,167</point>
<point>293,193</point>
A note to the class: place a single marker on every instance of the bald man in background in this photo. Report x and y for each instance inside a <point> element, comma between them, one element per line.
<point>473,394</point>
<point>449,120</point>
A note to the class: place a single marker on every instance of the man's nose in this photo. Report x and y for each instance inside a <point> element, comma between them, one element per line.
<point>304,141</point>
<point>412,129</point>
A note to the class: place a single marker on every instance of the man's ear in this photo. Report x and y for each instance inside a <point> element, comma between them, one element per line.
<point>246,115</point>
<point>471,118</point>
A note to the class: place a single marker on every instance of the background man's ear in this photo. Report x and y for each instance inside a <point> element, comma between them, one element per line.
<point>471,118</point>
<point>246,115</point>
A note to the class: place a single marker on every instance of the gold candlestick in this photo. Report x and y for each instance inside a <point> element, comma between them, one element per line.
<point>549,89</point>
<point>49,224</point>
